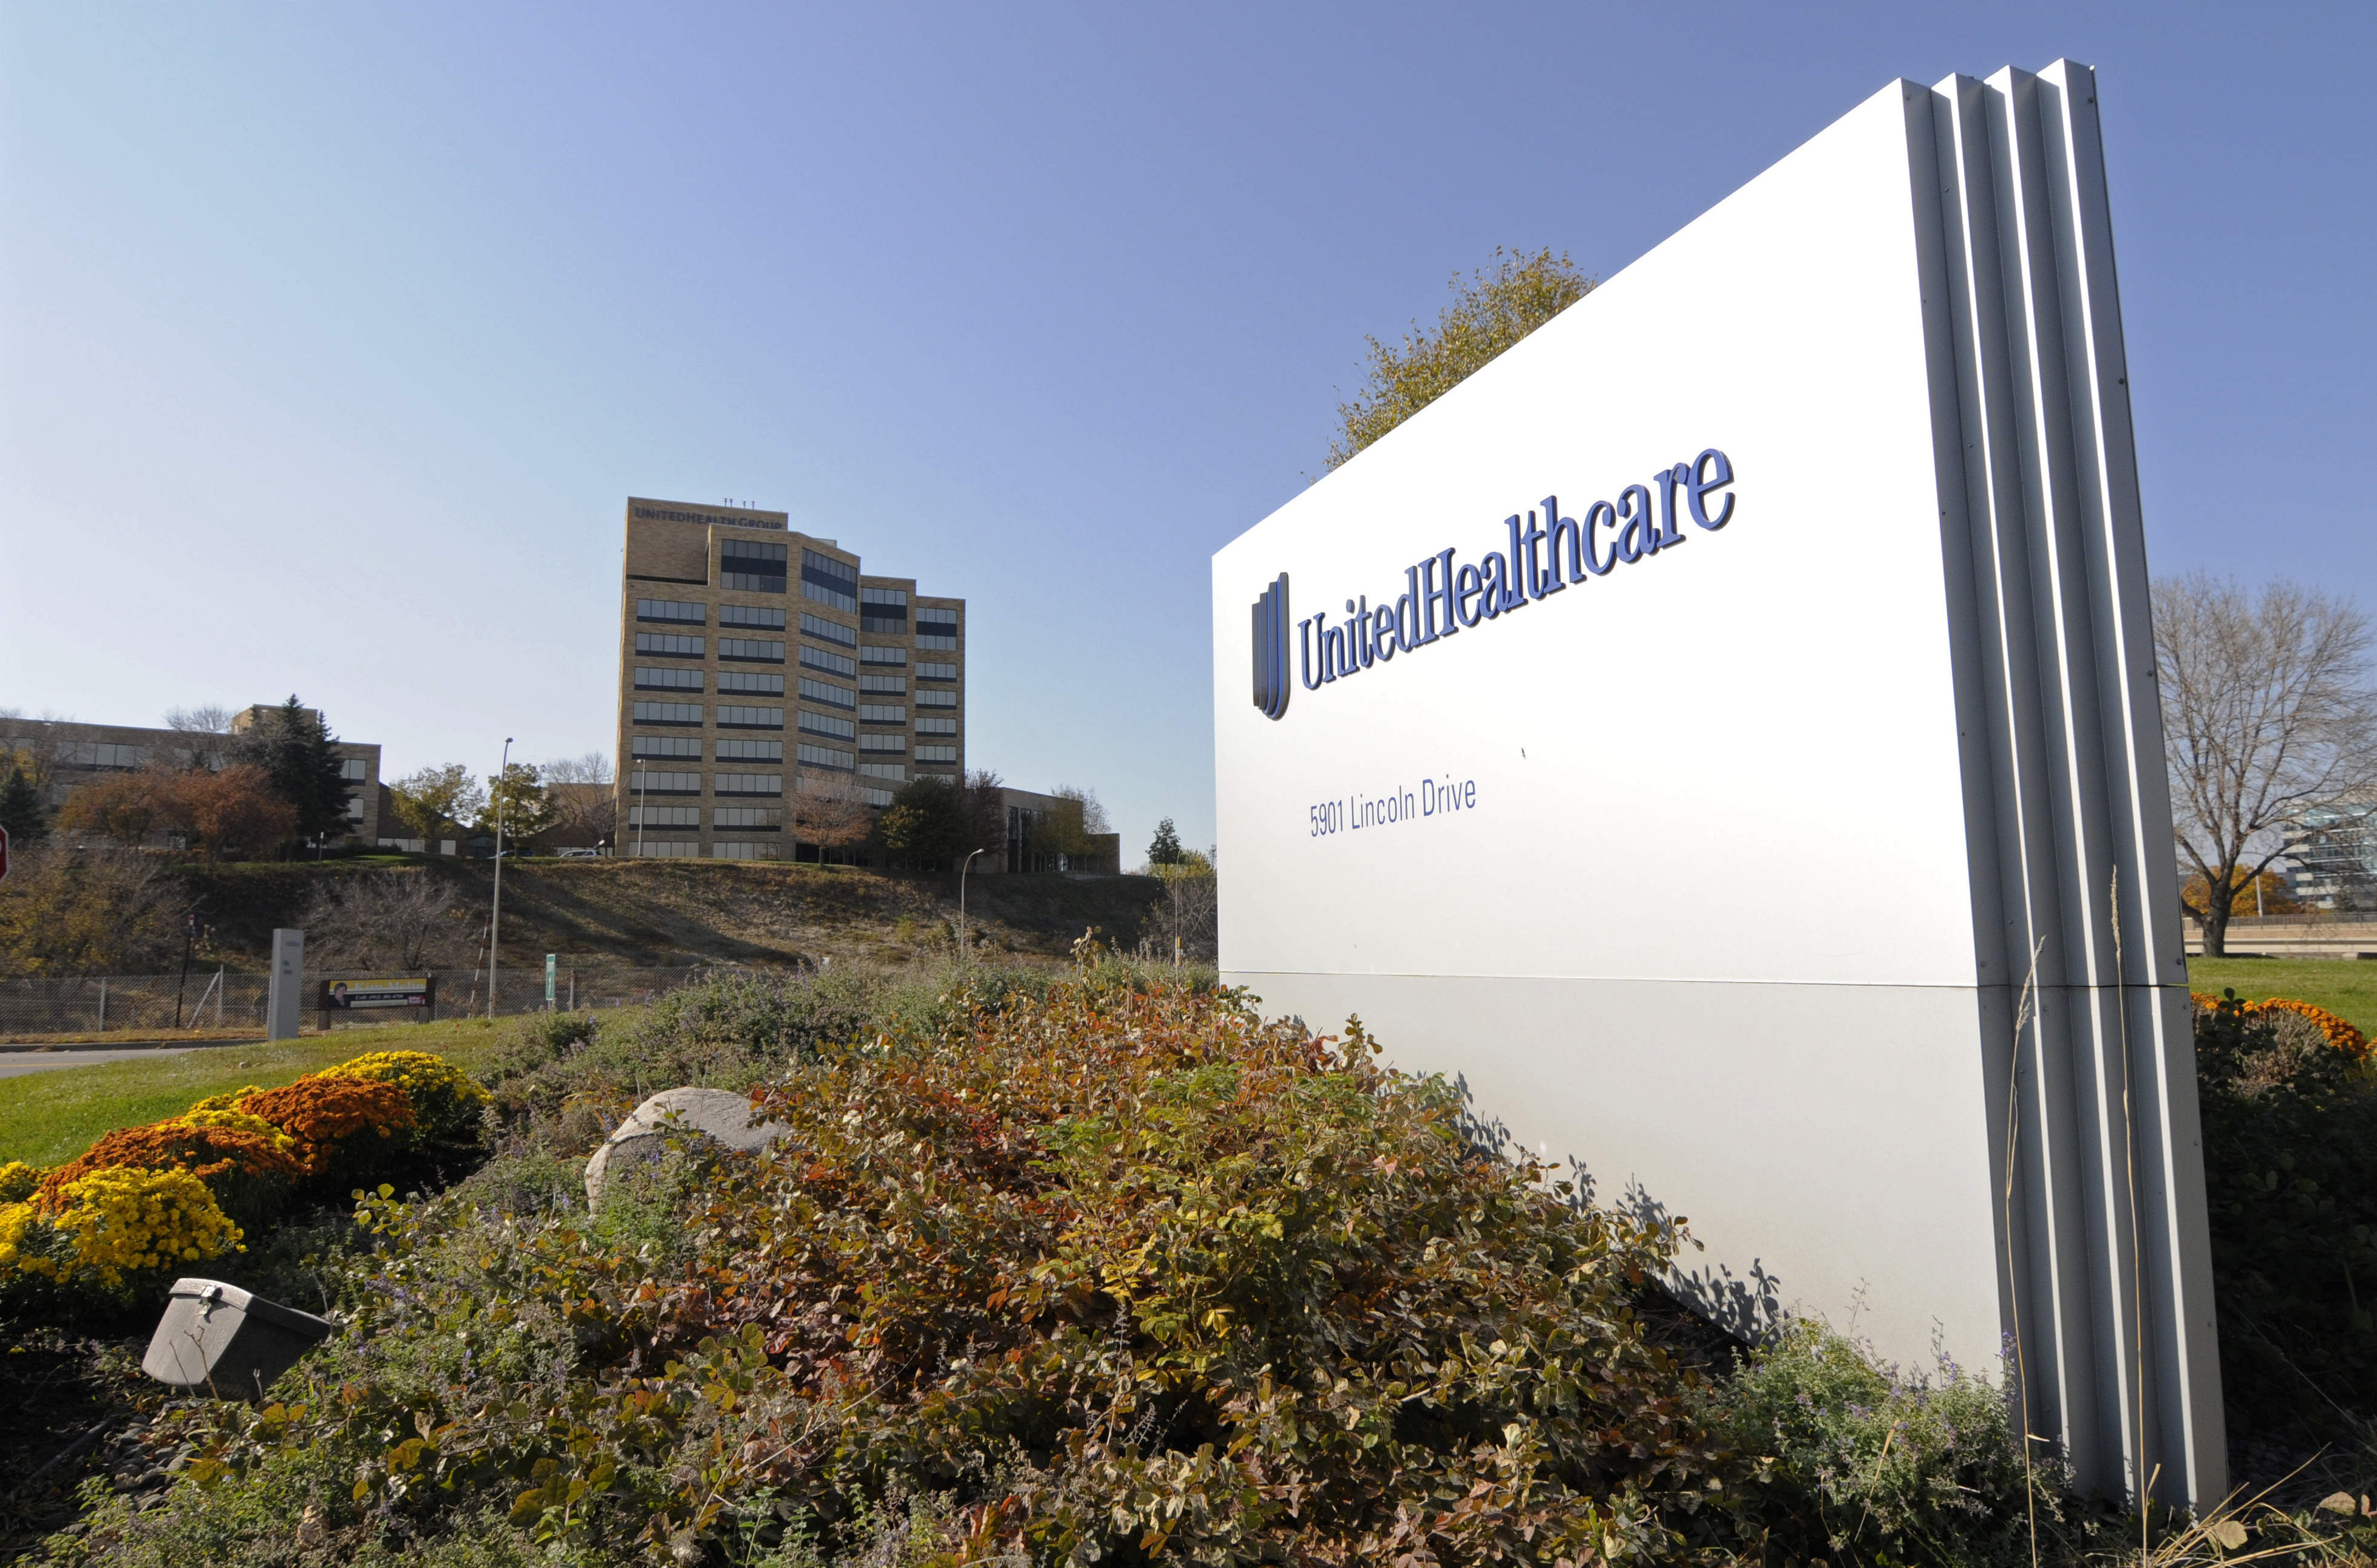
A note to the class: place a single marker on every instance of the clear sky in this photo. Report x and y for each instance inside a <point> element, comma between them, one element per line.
<point>332,338</point>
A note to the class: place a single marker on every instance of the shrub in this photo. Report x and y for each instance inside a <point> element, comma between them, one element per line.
<point>1863,1463</point>
<point>18,1181</point>
<point>2291,1184</point>
<point>1109,1273</point>
<point>2339,1032</point>
<point>123,1220</point>
<point>446,1102</point>
<point>329,1116</point>
<point>246,1162</point>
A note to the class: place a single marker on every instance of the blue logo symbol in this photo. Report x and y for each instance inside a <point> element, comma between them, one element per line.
<point>1270,623</point>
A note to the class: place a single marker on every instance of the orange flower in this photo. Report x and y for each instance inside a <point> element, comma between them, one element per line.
<point>321,1112</point>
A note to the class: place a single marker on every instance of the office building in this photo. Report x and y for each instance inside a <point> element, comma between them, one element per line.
<point>62,755</point>
<point>762,668</point>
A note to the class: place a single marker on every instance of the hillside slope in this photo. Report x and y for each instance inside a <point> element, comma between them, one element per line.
<point>666,913</point>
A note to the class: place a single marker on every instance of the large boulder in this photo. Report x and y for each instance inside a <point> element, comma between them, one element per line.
<point>723,1116</point>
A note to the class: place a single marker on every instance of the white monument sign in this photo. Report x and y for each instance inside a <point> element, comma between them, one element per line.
<point>1722,733</point>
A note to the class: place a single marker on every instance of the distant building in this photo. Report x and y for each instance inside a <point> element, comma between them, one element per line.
<point>1040,838</point>
<point>2337,867</point>
<point>755,662</point>
<point>65,755</point>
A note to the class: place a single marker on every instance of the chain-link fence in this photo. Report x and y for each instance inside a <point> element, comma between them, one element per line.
<point>156,1005</point>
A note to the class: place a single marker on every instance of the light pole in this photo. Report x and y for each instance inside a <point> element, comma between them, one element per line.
<point>496,915</point>
<point>639,772</point>
<point>962,919</point>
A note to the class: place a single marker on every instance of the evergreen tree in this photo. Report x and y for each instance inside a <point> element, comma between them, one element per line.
<point>299,755</point>
<point>1165,849</point>
<point>20,809</point>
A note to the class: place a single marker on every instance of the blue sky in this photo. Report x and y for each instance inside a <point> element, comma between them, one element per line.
<point>333,339</point>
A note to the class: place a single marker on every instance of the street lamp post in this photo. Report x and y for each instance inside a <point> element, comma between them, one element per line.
<point>496,915</point>
<point>961,918</point>
<point>637,770</point>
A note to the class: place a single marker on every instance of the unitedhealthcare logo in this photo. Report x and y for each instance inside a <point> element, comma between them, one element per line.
<point>1271,649</point>
<point>1547,553</point>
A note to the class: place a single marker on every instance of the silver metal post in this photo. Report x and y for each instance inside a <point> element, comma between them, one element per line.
<point>496,915</point>
<point>961,918</point>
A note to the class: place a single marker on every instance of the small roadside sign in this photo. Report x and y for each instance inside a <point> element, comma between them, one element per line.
<point>550,961</point>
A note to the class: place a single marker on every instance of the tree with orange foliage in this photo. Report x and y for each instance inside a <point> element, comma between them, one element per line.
<point>230,811</point>
<point>124,806</point>
<point>2265,895</point>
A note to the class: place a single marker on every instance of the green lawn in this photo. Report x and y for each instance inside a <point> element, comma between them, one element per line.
<point>48,1118</point>
<point>2343,986</point>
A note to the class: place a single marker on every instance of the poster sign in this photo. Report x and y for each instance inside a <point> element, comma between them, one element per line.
<point>412,992</point>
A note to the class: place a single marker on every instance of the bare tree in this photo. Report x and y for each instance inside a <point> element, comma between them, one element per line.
<point>1187,920</point>
<point>587,767</point>
<point>404,921</point>
<point>89,908</point>
<point>2270,725</point>
<point>205,735</point>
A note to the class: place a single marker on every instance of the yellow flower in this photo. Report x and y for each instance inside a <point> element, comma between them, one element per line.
<point>18,1181</point>
<point>120,1218</point>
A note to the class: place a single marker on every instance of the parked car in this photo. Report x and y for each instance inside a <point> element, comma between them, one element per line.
<point>578,852</point>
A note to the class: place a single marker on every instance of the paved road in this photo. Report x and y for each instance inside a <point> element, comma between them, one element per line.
<point>16,1064</point>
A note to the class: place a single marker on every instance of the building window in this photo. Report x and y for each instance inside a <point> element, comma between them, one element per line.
<point>676,609</point>
<point>937,699</point>
<point>882,713</point>
<point>765,819</point>
<point>749,784</point>
<point>884,611</point>
<point>751,649</point>
<point>656,678</point>
<point>828,581</point>
<point>643,781</point>
<point>105,753</point>
<point>749,566</point>
<point>730,717</point>
<point>936,629</point>
<point>891,770</point>
<point>751,750</point>
<point>826,724</point>
<point>668,713</point>
<point>663,816</point>
<point>818,626</point>
<point>884,685</point>
<point>824,757</point>
<point>757,685</point>
<point>936,753</point>
<point>835,697</point>
<point>876,797</point>
<point>765,617</point>
<point>354,770</point>
<point>883,742</point>
<point>874,655</point>
<point>833,663</point>
<point>926,669</point>
<point>668,645</point>
<point>731,851</point>
<point>663,746</point>
<point>665,850</point>
<point>935,726</point>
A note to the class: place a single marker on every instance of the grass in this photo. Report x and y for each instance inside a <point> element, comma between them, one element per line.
<point>47,1118</point>
<point>2343,986</point>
